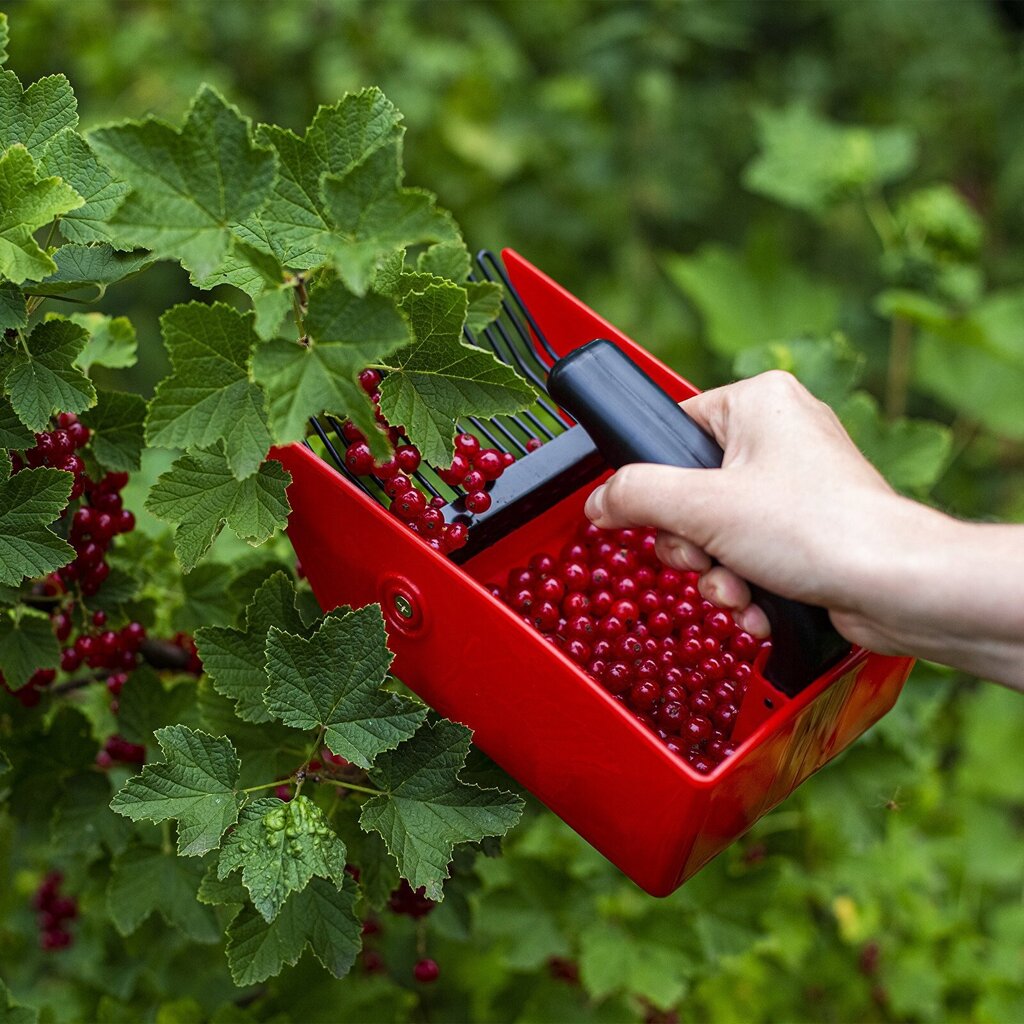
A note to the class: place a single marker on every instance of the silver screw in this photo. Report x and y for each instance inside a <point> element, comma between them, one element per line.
<point>403,606</point>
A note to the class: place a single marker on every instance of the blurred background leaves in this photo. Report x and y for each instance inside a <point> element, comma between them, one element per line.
<point>833,188</point>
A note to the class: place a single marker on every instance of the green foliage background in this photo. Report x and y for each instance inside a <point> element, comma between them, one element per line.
<point>668,162</point>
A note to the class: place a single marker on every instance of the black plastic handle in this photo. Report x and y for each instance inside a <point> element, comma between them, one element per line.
<point>631,419</point>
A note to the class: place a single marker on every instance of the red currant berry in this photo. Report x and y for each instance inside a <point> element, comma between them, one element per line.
<point>125,521</point>
<point>533,444</point>
<point>456,535</point>
<point>474,481</point>
<point>575,575</point>
<point>456,472</point>
<point>578,650</point>
<point>660,624</point>
<point>431,522</point>
<point>426,971</point>
<point>79,434</point>
<point>544,615</point>
<point>618,676</point>
<point>489,464</point>
<point>696,729</point>
<point>644,694</point>
<point>702,702</point>
<point>409,505</point>
<point>358,459</point>
<point>672,715</point>
<point>398,484</point>
<point>551,588</point>
<point>724,716</point>
<point>351,433</point>
<point>408,458</point>
<point>719,624</point>
<point>478,502</point>
<point>467,445</point>
<point>369,381</point>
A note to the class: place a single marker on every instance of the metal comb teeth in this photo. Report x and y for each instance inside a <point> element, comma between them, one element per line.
<point>565,460</point>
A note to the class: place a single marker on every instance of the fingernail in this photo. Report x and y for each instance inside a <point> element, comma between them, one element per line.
<point>594,508</point>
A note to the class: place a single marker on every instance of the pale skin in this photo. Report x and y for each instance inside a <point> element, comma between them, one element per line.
<point>797,509</point>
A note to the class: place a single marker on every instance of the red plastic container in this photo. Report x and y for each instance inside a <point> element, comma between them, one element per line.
<point>532,710</point>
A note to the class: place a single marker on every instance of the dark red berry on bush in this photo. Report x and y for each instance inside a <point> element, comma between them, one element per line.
<point>426,971</point>
<point>467,445</point>
<point>477,502</point>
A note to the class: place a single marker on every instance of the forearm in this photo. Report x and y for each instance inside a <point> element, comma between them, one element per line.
<point>945,590</point>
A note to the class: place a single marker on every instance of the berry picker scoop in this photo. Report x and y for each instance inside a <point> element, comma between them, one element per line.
<point>593,675</point>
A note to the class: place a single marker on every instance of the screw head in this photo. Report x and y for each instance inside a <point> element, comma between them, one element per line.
<point>403,606</point>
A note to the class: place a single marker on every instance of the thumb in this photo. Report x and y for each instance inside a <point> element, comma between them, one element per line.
<point>680,501</point>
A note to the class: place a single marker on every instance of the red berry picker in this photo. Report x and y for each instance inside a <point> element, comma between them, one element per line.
<point>604,683</point>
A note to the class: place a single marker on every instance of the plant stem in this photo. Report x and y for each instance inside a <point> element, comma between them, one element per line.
<point>342,784</point>
<point>897,383</point>
<point>269,785</point>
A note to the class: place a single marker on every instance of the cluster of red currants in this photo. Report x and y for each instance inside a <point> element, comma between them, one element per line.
<point>54,911</point>
<point>30,693</point>
<point>58,448</point>
<point>93,527</point>
<point>473,468</point>
<point>406,902</point>
<point>187,643</point>
<point>643,631</point>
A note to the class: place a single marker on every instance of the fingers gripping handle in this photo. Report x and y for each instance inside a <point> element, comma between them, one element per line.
<point>631,419</point>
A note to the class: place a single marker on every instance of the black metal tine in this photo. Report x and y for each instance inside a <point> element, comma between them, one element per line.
<point>479,424</point>
<point>485,256</point>
<point>516,356</point>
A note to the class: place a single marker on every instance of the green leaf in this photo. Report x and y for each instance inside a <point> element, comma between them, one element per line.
<point>145,881</point>
<point>612,960</point>
<point>484,303</point>
<point>976,364</point>
<point>828,367</point>
<point>111,341</point>
<point>280,847</point>
<point>910,454</point>
<point>27,643</point>
<point>13,433</point>
<point>83,820</point>
<point>195,785</point>
<point>445,259</point>
<point>3,43</point>
<point>26,204</point>
<point>70,157</point>
<point>210,395</point>
<point>341,135</point>
<point>190,186</point>
<point>236,659</point>
<point>117,426</point>
<point>10,1011</point>
<point>746,301</point>
<point>321,917</point>
<point>263,279</point>
<point>373,216</point>
<point>44,379</point>
<point>439,379</point>
<point>810,163</point>
<point>91,269</point>
<point>33,117</point>
<point>29,502</point>
<point>426,809</point>
<point>332,680</point>
<point>147,704</point>
<point>346,334</point>
<point>222,892</point>
<point>13,310</point>
<point>200,494</point>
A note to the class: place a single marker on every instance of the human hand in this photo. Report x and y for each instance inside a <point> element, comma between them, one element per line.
<point>794,508</point>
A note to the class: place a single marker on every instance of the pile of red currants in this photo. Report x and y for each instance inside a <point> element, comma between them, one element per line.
<point>643,631</point>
